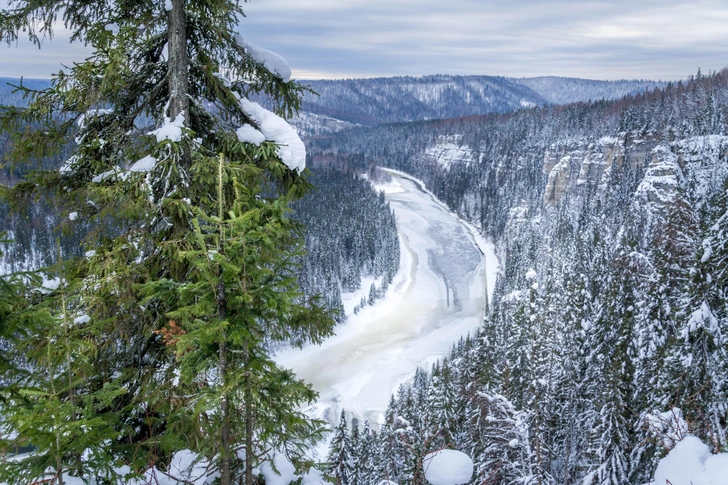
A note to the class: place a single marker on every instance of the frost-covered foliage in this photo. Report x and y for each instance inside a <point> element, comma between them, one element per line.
<point>471,436</point>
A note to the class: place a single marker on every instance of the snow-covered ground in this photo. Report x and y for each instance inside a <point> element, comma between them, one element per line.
<point>436,297</point>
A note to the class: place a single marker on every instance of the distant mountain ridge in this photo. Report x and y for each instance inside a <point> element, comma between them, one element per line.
<point>396,99</point>
<point>370,102</point>
<point>345,103</point>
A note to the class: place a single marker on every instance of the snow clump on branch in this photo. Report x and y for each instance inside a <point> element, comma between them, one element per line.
<point>274,128</point>
<point>275,63</point>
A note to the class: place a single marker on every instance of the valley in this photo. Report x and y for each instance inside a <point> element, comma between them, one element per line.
<point>436,298</point>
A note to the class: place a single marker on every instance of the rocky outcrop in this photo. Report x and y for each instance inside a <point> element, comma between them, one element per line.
<point>449,150</point>
<point>579,163</point>
<point>662,178</point>
<point>558,180</point>
<point>696,163</point>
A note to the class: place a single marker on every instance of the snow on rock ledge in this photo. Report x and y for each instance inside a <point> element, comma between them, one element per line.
<point>662,178</point>
<point>449,151</point>
<point>290,147</point>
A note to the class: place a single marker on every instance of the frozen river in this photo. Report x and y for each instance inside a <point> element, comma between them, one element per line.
<point>436,297</point>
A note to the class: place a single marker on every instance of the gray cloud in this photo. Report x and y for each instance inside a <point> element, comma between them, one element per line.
<point>615,39</point>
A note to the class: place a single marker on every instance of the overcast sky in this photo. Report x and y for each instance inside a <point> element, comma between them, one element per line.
<point>615,39</point>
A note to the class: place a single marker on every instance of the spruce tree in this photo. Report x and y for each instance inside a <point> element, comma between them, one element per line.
<point>366,456</point>
<point>11,300</point>
<point>48,403</point>
<point>612,388</point>
<point>186,282</point>
<point>341,458</point>
<point>239,298</point>
<point>696,368</point>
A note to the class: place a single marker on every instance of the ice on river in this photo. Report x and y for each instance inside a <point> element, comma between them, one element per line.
<point>436,298</point>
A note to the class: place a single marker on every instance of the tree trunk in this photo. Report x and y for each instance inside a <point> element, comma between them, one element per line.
<point>178,62</point>
<point>248,437</point>
<point>225,447</point>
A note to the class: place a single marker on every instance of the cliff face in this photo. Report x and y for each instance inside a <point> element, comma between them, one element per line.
<point>449,150</point>
<point>575,164</point>
<point>578,163</point>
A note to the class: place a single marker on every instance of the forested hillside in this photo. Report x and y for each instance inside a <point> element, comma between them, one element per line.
<point>350,233</point>
<point>608,326</point>
<point>564,90</point>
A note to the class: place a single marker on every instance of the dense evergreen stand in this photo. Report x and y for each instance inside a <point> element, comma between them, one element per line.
<point>157,339</point>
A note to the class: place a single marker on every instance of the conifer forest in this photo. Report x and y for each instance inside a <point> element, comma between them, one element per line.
<point>177,212</point>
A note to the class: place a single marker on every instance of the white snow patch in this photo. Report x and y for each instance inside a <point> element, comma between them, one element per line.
<point>531,274</point>
<point>51,284</point>
<point>248,134</point>
<point>144,165</point>
<point>449,150</point>
<point>103,176</point>
<point>275,63</point>
<point>701,318</point>
<point>73,216</point>
<point>69,165</point>
<point>170,130</point>
<point>291,149</point>
<point>448,467</point>
<point>607,140</point>
<point>390,187</point>
<point>707,251</point>
<point>90,113</point>
<point>187,467</point>
<point>283,474</point>
<point>669,427</point>
<point>81,319</point>
<point>691,463</point>
<point>314,477</point>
